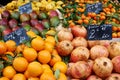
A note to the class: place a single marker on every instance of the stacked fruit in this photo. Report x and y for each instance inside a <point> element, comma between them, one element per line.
<point>75,13</point>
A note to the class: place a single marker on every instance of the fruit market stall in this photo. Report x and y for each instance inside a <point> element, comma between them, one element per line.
<point>60,40</point>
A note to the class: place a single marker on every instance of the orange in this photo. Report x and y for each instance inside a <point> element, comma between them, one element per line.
<point>10,53</point>
<point>11,45</point>
<point>50,39</point>
<point>3,48</point>
<point>55,58</point>
<point>62,76</point>
<point>86,21</point>
<point>114,28</point>
<point>48,70</point>
<point>114,35</point>
<point>31,34</point>
<point>35,69</point>
<point>45,66</point>
<point>9,72</point>
<point>113,10</point>
<point>61,66</point>
<point>54,51</point>
<point>37,43</point>
<point>4,78</point>
<point>80,21</point>
<point>110,5</point>
<point>19,76</point>
<point>47,76</point>
<point>83,16</point>
<point>26,74</point>
<point>93,14</point>
<point>20,48</point>
<point>49,46</point>
<point>102,17</point>
<point>102,14</point>
<point>118,34</point>
<point>33,78</point>
<point>20,64</point>
<point>30,54</point>
<point>44,56</point>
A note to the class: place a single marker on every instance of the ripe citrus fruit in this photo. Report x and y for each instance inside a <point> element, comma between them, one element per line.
<point>34,69</point>
<point>30,54</point>
<point>19,76</point>
<point>55,58</point>
<point>33,78</point>
<point>20,64</point>
<point>26,74</point>
<point>62,76</point>
<point>50,39</point>
<point>3,48</point>
<point>11,45</point>
<point>4,78</point>
<point>47,76</point>
<point>45,66</point>
<point>9,72</point>
<point>5,57</point>
<point>61,66</point>
<point>37,43</point>
<point>44,56</point>
<point>49,46</point>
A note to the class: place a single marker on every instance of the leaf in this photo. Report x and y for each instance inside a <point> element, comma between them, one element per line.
<point>28,43</point>
<point>114,24</point>
<point>9,57</point>
<point>1,66</point>
<point>66,59</point>
<point>43,33</point>
<point>57,74</point>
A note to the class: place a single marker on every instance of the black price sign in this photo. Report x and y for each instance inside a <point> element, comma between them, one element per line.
<point>18,36</point>
<point>102,32</point>
<point>27,8</point>
<point>97,7</point>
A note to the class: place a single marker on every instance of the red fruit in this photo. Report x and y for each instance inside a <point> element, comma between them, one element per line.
<point>15,28</point>
<point>64,48</point>
<point>4,22</point>
<point>98,51</point>
<point>81,70</point>
<point>113,76</point>
<point>5,14</point>
<point>24,17</point>
<point>65,34</point>
<point>53,13</point>
<point>79,31</point>
<point>79,54</point>
<point>79,41</point>
<point>90,62</point>
<point>39,27</point>
<point>34,22</point>
<point>33,15</point>
<point>6,31</point>
<point>116,64</point>
<point>25,23</point>
<point>13,23</point>
<point>93,77</point>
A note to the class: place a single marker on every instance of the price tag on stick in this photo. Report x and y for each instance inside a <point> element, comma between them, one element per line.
<point>27,8</point>
<point>18,36</point>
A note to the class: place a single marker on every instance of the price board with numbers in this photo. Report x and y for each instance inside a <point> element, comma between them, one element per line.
<point>99,32</point>
<point>97,7</point>
<point>18,36</point>
<point>27,8</point>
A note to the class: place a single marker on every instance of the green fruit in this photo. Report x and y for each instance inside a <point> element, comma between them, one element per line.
<point>42,15</point>
<point>15,15</point>
<point>46,23</point>
<point>54,21</point>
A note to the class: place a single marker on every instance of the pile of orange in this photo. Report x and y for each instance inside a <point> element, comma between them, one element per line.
<point>35,63</point>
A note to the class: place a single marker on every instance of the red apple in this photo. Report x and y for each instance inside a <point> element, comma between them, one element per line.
<point>33,15</point>
<point>4,22</point>
<point>25,23</point>
<point>6,31</point>
<point>53,13</point>
<point>79,31</point>
<point>39,27</point>
<point>5,14</point>
<point>13,23</point>
<point>34,22</point>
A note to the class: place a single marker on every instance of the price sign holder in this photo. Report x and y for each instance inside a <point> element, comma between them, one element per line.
<point>99,32</point>
<point>97,7</point>
<point>18,36</point>
<point>27,8</point>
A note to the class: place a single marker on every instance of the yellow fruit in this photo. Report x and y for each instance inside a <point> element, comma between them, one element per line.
<point>20,64</point>
<point>60,66</point>
<point>62,76</point>
<point>35,69</point>
<point>49,46</point>
<point>50,39</point>
<point>11,45</point>
<point>45,66</point>
<point>44,56</point>
<point>4,78</point>
<point>30,54</point>
<point>31,34</point>
<point>9,72</point>
<point>19,76</point>
<point>37,43</point>
<point>33,78</point>
<point>47,76</point>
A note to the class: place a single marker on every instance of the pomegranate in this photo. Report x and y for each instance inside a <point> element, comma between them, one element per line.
<point>92,43</point>
<point>103,67</point>
<point>114,49</point>
<point>116,64</point>
<point>78,30</point>
<point>79,41</point>
<point>98,51</point>
<point>64,48</point>
<point>65,34</point>
<point>93,77</point>
<point>80,69</point>
<point>79,53</point>
<point>113,76</point>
